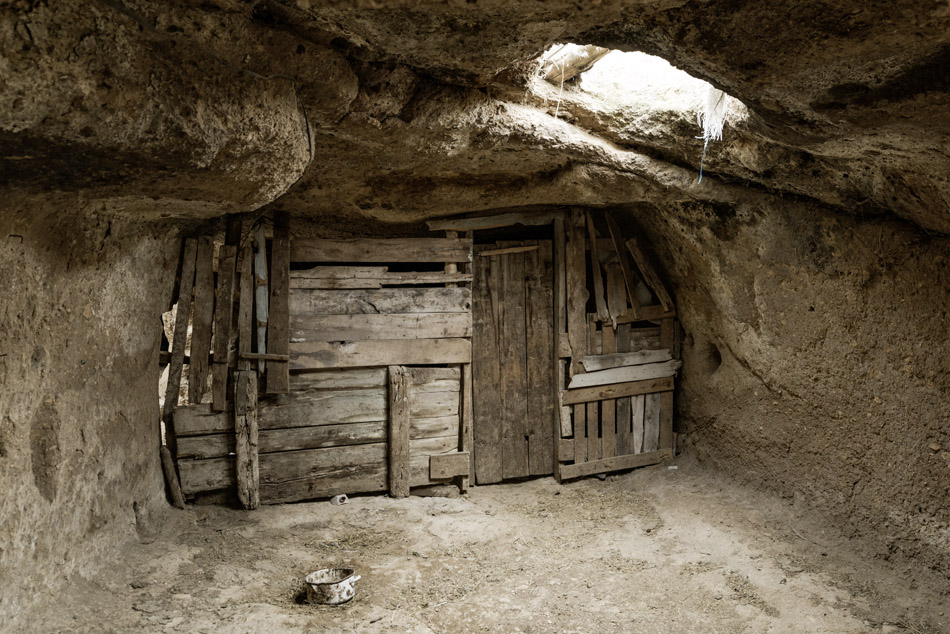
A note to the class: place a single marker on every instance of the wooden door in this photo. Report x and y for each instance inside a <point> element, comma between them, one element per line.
<point>512,357</point>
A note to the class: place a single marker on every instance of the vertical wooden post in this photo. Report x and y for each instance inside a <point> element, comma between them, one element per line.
<point>468,405</point>
<point>629,277</point>
<point>278,336</point>
<point>201,324</point>
<point>596,272</point>
<point>467,417</point>
<point>399,385</point>
<point>245,307</point>
<point>179,340</point>
<point>223,312</point>
<point>246,435</point>
<point>260,291</point>
<point>576,290</point>
<point>171,477</point>
<point>562,414</point>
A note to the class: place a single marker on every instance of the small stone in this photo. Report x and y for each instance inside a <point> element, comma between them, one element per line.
<point>935,447</point>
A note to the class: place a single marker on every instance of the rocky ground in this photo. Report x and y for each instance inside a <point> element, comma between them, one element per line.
<point>655,550</point>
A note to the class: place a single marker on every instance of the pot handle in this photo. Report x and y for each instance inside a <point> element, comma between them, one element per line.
<point>356,578</point>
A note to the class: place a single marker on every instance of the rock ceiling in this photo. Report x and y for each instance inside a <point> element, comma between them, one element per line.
<point>399,110</point>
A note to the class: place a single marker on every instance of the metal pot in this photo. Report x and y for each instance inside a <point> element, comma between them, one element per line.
<point>331,586</point>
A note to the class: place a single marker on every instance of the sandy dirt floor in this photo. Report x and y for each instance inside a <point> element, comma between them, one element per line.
<point>655,550</point>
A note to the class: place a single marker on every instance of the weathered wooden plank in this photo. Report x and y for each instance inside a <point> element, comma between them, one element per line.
<point>277,376</point>
<point>297,475</point>
<point>223,312</point>
<point>201,321</point>
<point>560,274</point>
<point>562,423</point>
<point>245,306</point>
<point>383,300</point>
<point>617,463</point>
<point>193,420</point>
<point>508,250</point>
<point>399,387</point>
<point>179,339</point>
<point>616,293</point>
<point>580,433</point>
<point>206,475</point>
<point>619,390</point>
<point>486,371</point>
<point>247,466</point>
<point>649,272</point>
<point>651,422</point>
<point>372,327</point>
<point>353,478</point>
<point>645,313</point>
<point>433,404</point>
<point>576,279</point>
<point>381,250</point>
<point>565,450</point>
<point>448,465</point>
<point>594,439</point>
<point>666,421</point>
<point>322,354</point>
<point>324,407</point>
<point>596,271</point>
<point>338,379</point>
<point>266,356</point>
<point>315,437</point>
<point>623,359</point>
<point>467,433</point>
<point>373,281</point>
<point>608,407</point>
<point>261,296</point>
<point>629,277</point>
<point>513,359</point>
<point>624,405</point>
<point>494,222</point>
<point>639,404</point>
<point>539,337</point>
<point>291,465</point>
<point>435,378</point>
<point>625,374</point>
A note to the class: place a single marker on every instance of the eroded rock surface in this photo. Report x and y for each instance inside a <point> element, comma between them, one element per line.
<point>809,266</point>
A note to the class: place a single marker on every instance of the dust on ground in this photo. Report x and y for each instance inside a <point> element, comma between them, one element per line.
<point>655,550</point>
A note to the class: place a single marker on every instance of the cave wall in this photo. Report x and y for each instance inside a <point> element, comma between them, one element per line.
<point>815,361</point>
<point>79,422</point>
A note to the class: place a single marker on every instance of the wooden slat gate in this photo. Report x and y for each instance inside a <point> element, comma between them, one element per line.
<point>582,371</point>
<point>367,367</point>
<point>616,364</point>
<point>513,345</point>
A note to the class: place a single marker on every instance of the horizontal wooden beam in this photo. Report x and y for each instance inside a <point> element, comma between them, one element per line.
<point>381,250</point>
<point>618,390</point>
<point>374,327</point>
<point>625,374</point>
<point>330,354</point>
<point>622,359</point>
<point>282,473</point>
<point>494,222</point>
<point>630,461</point>
<point>322,277</point>
<point>309,302</point>
<point>508,251</point>
<point>264,356</point>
